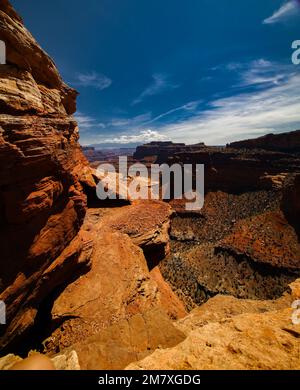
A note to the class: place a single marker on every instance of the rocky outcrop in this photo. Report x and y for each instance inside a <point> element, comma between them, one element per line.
<point>127,341</point>
<point>45,243</point>
<point>223,307</point>
<point>42,204</point>
<point>119,284</point>
<point>147,223</point>
<point>285,142</point>
<point>232,334</point>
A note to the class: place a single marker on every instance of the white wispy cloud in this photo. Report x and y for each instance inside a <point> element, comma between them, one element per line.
<point>265,99</point>
<point>86,122</point>
<point>131,122</point>
<point>143,136</point>
<point>232,66</point>
<point>191,106</point>
<point>288,9</point>
<point>146,119</point>
<point>263,73</point>
<point>93,79</point>
<point>159,84</point>
<point>274,108</point>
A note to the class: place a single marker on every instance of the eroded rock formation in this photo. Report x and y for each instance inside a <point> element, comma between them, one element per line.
<point>42,204</point>
<point>261,166</point>
<point>47,242</point>
<point>119,284</point>
<point>66,361</point>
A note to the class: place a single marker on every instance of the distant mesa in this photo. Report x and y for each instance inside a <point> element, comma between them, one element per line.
<point>92,154</point>
<point>284,142</point>
<point>95,156</point>
<point>166,148</point>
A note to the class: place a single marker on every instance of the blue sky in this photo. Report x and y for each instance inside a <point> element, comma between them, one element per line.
<point>185,70</point>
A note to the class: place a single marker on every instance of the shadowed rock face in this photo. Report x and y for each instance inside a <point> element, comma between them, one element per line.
<point>290,201</point>
<point>42,204</point>
<point>238,171</point>
<point>286,142</point>
<point>163,149</point>
<point>45,245</point>
<point>236,168</point>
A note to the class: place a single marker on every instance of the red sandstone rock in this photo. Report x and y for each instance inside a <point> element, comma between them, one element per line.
<point>168,300</point>
<point>147,223</point>
<point>119,284</point>
<point>266,238</point>
<point>117,287</point>
<point>42,204</point>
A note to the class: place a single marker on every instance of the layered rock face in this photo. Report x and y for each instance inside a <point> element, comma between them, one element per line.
<point>48,240</point>
<point>89,281</point>
<point>236,168</point>
<point>238,171</point>
<point>42,204</point>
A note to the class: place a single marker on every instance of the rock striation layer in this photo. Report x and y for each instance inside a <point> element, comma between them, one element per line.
<point>42,204</point>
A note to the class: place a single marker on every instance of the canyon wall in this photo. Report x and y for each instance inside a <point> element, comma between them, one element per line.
<point>285,142</point>
<point>249,165</point>
<point>59,256</point>
<point>42,204</point>
<point>237,171</point>
<point>163,149</point>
